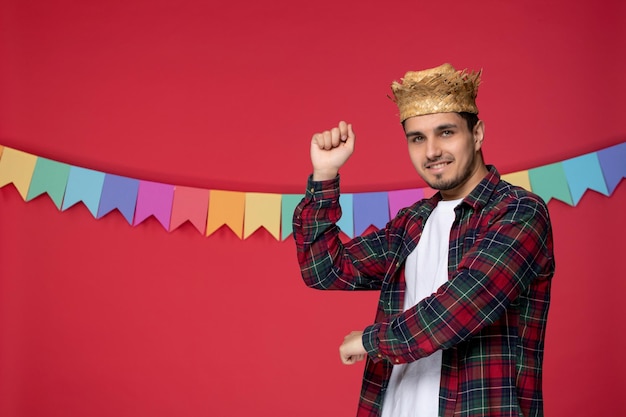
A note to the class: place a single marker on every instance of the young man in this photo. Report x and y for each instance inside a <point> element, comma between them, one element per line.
<point>464,276</point>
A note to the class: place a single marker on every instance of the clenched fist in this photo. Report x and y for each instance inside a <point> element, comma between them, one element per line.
<point>330,150</point>
<point>351,350</point>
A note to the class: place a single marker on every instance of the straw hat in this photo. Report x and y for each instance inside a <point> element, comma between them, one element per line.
<point>437,90</point>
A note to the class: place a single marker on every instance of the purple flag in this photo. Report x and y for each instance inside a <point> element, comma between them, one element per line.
<point>119,193</point>
<point>370,209</point>
<point>613,163</point>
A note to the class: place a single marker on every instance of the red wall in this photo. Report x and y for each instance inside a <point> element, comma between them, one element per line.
<point>100,318</point>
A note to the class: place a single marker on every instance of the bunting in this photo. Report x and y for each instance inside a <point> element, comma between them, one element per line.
<point>83,185</point>
<point>262,210</point>
<point>17,167</point>
<point>192,205</point>
<point>227,209</point>
<point>370,209</point>
<point>287,207</point>
<point>154,199</point>
<point>49,177</point>
<point>244,213</point>
<point>346,222</point>
<point>119,193</point>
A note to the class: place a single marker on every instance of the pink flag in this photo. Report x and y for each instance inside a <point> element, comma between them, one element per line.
<point>154,199</point>
<point>190,204</point>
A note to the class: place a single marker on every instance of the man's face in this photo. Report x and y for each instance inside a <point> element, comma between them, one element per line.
<point>445,152</point>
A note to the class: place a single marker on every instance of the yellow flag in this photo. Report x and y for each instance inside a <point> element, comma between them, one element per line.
<point>262,210</point>
<point>518,178</point>
<point>17,167</point>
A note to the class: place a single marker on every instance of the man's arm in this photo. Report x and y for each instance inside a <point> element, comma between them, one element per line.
<point>500,266</point>
<point>325,262</point>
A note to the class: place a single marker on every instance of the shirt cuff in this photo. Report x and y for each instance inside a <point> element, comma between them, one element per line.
<point>322,190</point>
<point>370,342</point>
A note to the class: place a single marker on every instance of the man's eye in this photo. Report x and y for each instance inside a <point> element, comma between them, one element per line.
<point>418,139</point>
<point>447,133</point>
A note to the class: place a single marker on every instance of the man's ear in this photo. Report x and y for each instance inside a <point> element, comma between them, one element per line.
<point>479,135</point>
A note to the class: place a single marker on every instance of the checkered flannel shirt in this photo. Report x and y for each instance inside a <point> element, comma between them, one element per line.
<point>489,318</point>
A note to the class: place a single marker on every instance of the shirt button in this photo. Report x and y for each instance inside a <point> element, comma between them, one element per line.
<point>379,355</point>
<point>312,190</point>
<point>397,360</point>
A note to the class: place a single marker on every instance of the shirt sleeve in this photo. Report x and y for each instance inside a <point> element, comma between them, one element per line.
<point>325,261</point>
<point>502,263</point>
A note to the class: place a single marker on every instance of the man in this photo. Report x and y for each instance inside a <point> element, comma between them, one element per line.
<point>464,276</point>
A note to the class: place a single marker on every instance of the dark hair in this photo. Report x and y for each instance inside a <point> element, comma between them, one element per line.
<point>470,118</point>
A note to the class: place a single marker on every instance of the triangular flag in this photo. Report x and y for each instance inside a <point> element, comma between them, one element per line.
<point>613,162</point>
<point>346,222</point>
<point>549,181</point>
<point>400,199</point>
<point>370,209</point>
<point>521,179</point>
<point>584,173</point>
<point>49,177</point>
<point>154,199</point>
<point>226,208</point>
<point>119,193</point>
<point>190,204</point>
<point>262,210</point>
<point>17,167</point>
<point>288,205</point>
<point>83,185</point>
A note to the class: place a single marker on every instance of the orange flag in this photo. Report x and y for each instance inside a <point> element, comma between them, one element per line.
<point>226,208</point>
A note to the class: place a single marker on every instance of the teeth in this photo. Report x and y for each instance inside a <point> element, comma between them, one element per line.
<point>438,166</point>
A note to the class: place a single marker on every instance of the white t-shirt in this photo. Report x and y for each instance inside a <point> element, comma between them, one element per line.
<point>413,388</point>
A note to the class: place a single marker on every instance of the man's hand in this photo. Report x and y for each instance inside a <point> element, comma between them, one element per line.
<point>330,150</point>
<point>352,350</point>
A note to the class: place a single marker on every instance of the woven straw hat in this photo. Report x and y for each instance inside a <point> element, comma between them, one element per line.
<point>437,90</point>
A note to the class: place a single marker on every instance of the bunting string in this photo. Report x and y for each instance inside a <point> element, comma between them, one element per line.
<point>246,212</point>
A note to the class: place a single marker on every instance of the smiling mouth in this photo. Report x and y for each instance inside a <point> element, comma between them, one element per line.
<point>437,165</point>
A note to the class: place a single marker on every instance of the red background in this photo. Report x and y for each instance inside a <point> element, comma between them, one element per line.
<point>99,318</point>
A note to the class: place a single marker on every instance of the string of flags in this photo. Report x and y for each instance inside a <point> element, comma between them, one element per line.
<point>246,212</point>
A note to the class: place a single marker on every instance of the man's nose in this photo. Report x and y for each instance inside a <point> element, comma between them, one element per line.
<point>433,150</point>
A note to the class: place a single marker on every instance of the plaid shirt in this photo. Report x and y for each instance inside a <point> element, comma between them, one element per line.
<point>489,318</point>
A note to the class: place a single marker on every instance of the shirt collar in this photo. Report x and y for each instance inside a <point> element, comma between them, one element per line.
<point>480,195</point>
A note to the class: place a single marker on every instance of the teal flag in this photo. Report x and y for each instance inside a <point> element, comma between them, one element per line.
<point>288,204</point>
<point>549,181</point>
<point>49,177</point>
